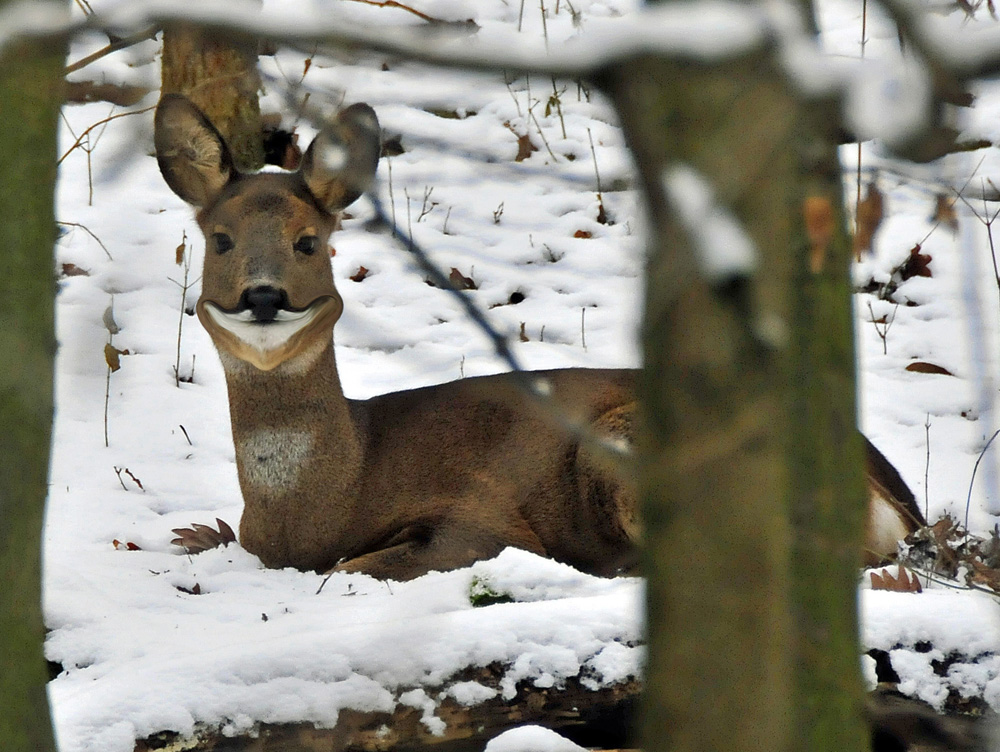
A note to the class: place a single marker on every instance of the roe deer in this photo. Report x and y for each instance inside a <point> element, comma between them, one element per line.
<point>403,483</point>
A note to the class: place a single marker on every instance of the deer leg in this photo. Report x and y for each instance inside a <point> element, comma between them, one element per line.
<point>464,536</point>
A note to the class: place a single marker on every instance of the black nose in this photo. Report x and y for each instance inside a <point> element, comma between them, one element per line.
<point>263,302</point>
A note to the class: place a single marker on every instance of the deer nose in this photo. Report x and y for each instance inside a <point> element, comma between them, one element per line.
<point>263,302</point>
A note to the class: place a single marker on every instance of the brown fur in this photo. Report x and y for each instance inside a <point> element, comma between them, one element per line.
<point>403,483</point>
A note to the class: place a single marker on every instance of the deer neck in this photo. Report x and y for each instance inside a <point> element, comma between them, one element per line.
<point>299,456</point>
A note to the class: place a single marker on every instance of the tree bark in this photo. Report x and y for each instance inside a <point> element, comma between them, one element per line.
<point>716,409</point>
<point>750,465</point>
<point>30,90</point>
<point>826,455</point>
<point>219,74</point>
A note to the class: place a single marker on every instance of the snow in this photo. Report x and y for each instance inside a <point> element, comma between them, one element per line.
<point>532,739</point>
<point>141,653</point>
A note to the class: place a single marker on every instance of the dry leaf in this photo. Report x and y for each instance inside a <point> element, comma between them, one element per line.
<point>127,545</point>
<point>524,148</point>
<point>903,582</point>
<point>944,212</point>
<point>869,218</point>
<point>984,575</point>
<point>72,270</point>
<point>360,274</point>
<point>111,357</point>
<point>196,590</point>
<point>583,234</point>
<point>817,212</point>
<point>602,216</point>
<point>919,366</point>
<point>523,336</point>
<point>460,281</point>
<point>917,264</point>
<point>179,253</point>
<point>198,538</point>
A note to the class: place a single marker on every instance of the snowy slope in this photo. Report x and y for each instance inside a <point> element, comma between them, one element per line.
<point>141,653</point>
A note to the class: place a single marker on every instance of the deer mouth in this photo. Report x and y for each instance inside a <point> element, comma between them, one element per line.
<point>270,338</point>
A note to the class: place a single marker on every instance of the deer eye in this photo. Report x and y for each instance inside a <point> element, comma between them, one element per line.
<point>222,242</point>
<point>306,244</point>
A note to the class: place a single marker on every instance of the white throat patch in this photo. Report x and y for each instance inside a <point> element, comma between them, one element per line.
<point>271,459</point>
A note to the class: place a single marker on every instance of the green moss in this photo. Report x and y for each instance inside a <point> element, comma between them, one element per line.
<point>481,593</point>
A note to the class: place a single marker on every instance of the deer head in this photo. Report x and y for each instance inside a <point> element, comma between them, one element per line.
<point>267,287</point>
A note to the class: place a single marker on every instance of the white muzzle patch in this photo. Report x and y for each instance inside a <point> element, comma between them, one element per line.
<point>264,337</point>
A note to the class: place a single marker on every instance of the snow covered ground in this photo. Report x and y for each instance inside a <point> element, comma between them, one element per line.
<point>152,640</point>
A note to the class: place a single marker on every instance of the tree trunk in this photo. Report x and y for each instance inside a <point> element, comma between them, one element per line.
<point>748,421</point>
<point>220,76</point>
<point>30,90</point>
<point>716,408</point>
<point>828,488</point>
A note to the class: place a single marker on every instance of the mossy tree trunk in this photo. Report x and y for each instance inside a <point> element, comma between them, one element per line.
<point>750,466</point>
<point>219,74</point>
<point>30,93</point>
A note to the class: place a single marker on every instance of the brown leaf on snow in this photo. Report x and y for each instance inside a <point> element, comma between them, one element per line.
<point>72,270</point>
<point>523,336</point>
<point>198,538</point>
<point>903,582</point>
<point>984,575</point>
<point>524,148</point>
<point>127,545</point>
<point>916,265</point>
<point>583,234</point>
<point>460,281</point>
<point>870,212</point>
<point>112,357</point>
<point>919,366</point>
<point>360,274</point>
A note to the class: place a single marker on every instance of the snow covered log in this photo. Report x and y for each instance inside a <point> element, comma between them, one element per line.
<point>593,718</point>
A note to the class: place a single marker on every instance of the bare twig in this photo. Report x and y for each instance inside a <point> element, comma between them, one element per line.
<point>87,230</point>
<point>602,215</point>
<point>883,325</point>
<point>927,466</point>
<point>118,472</point>
<point>556,100</point>
<point>184,258</point>
<point>83,136</point>
<point>972,480</point>
<point>407,8</point>
<point>117,44</point>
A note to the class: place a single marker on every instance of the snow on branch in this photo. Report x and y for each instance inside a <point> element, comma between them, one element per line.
<point>707,30</point>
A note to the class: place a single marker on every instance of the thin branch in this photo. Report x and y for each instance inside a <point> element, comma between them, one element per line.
<point>88,231</point>
<point>679,32</point>
<point>117,44</point>
<point>99,123</point>
<point>394,4</point>
<point>972,480</point>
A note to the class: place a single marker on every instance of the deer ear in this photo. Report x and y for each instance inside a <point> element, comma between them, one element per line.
<point>340,163</point>
<point>193,156</point>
